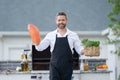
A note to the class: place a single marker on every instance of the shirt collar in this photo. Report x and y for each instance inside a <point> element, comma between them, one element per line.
<point>67,33</point>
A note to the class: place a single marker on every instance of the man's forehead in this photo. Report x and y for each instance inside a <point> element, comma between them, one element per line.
<point>61,16</point>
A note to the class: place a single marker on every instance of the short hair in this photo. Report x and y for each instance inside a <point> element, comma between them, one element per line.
<point>62,14</point>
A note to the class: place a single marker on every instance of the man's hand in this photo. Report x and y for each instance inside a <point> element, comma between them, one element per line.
<point>82,52</point>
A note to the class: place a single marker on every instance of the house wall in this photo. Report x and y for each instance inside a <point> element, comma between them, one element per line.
<point>12,45</point>
<point>84,15</point>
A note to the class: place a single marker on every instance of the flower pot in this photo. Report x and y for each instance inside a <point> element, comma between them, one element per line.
<point>92,51</point>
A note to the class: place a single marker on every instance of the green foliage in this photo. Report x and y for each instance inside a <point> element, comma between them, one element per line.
<point>114,17</point>
<point>84,41</point>
<point>88,43</point>
<point>118,51</point>
<point>115,12</point>
<point>119,77</point>
<point>116,29</point>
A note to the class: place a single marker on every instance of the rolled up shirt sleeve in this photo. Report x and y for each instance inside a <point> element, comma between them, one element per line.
<point>43,44</point>
<point>77,44</point>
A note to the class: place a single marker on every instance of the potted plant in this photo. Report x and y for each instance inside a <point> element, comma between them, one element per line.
<point>91,47</point>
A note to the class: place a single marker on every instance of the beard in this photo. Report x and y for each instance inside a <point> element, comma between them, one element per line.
<point>61,26</point>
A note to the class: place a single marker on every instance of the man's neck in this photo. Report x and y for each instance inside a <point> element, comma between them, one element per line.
<point>62,31</point>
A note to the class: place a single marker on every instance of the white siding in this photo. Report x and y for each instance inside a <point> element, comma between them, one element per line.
<point>13,43</point>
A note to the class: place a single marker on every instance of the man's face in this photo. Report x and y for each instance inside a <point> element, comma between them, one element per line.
<point>61,21</point>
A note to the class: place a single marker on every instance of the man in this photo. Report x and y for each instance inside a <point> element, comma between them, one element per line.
<point>61,41</point>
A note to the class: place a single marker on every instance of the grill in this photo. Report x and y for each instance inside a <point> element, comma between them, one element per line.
<point>41,59</point>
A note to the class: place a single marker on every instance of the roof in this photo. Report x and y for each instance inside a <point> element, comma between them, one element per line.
<point>83,15</point>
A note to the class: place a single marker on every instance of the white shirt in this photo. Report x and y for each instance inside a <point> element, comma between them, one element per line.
<point>73,40</point>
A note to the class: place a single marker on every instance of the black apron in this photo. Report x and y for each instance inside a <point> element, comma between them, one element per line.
<point>61,65</point>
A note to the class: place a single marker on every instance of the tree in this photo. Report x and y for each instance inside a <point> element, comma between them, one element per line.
<point>114,25</point>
